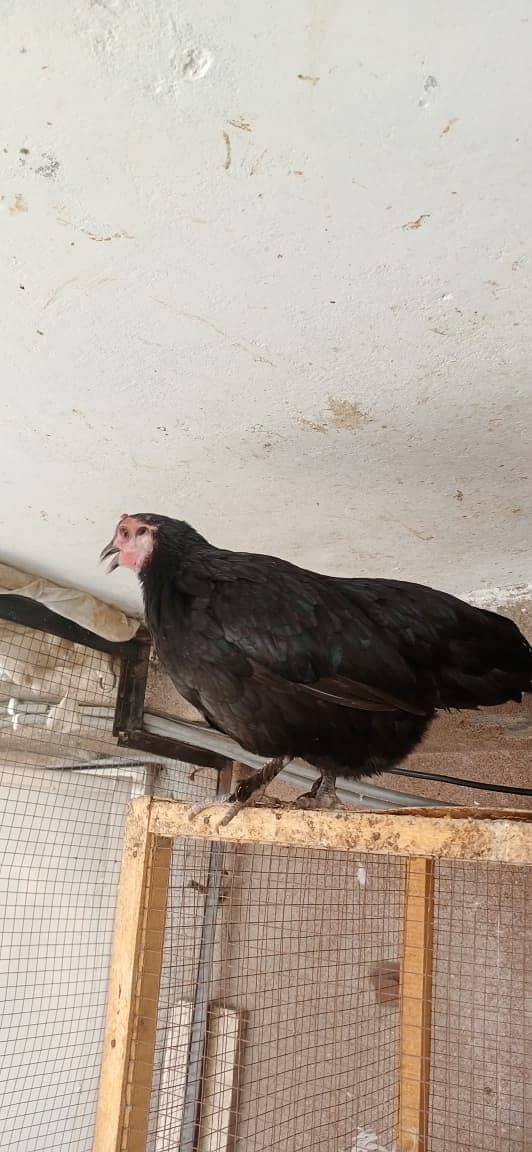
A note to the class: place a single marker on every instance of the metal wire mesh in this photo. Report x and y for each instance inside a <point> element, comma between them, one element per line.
<point>481,1097</point>
<point>279,1014</point>
<point>298,1039</point>
<point>300,1047</point>
<point>61,837</point>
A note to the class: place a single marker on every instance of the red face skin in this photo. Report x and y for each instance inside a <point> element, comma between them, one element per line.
<point>132,544</point>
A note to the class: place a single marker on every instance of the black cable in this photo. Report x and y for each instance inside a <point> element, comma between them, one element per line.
<point>90,765</point>
<point>460,782</point>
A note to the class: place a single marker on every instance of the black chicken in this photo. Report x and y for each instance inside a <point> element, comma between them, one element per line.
<point>345,673</point>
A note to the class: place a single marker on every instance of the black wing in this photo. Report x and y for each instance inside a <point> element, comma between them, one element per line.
<point>469,656</point>
<point>281,621</point>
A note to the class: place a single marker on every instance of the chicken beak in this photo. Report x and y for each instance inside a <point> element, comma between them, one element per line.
<point>110,550</point>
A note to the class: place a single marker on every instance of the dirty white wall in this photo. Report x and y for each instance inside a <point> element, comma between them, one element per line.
<point>267,268</point>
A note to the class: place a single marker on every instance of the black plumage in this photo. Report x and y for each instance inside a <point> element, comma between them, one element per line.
<point>345,673</point>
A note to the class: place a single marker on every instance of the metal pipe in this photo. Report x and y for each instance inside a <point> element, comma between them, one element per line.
<point>200,736</point>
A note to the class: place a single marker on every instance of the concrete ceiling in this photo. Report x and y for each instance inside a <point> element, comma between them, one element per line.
<point>267,268</point>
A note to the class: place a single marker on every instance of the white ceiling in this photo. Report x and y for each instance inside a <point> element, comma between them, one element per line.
<point>267,268</point>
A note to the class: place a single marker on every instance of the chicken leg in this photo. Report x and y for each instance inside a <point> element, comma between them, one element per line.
<point>247,792</point>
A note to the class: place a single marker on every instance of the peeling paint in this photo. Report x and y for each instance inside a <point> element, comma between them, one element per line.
<point>196,63</point>
<point>313,425</point>
<point>240,123</point>
<point>450,124</point>
<point>98,236</point>
<point>429,88</point>
<point>18,204</point>
<point>50,168</point>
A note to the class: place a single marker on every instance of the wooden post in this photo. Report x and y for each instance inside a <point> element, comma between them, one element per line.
<point>416,1006</point>
<point>129,1042</point>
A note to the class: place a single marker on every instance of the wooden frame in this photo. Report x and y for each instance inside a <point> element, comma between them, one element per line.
<point>452,834</point>
<point>133,995</point>
<point>416,1006</point>
<point>446,833</point>
<point>128,724</point>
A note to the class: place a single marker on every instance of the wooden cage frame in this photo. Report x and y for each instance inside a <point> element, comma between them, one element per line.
<point>152,825</point>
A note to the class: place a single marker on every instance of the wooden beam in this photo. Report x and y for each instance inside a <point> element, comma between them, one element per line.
<point>123,979</point>
<point>132,1001</point>
<point>458,834</point>
<point>144,1024</point>
<point>416,1006</point>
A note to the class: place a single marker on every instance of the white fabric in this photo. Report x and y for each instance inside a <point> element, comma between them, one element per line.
<point>80,607</point>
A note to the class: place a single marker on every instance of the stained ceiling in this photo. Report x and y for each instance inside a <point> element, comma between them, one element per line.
<point>267,269</point>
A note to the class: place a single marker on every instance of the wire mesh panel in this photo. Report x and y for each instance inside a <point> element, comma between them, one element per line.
<point>294,998</point>
<point>295,985</point>
<point>307,1057</point>
<point>480,1091</point>
<point>57,699</point>
<point>59,861</point>
<point>61,836</point>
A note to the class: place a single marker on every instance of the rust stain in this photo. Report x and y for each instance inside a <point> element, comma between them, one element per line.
<point>228,157</point>
<point>346,415</point>
<point>450,124</point>
<point>412,225</point>
<point>343,415</point>
<point>17,205</point>
<point>308,79</point>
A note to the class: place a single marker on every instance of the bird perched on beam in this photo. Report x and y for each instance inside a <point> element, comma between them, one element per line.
<point>345,673</point>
